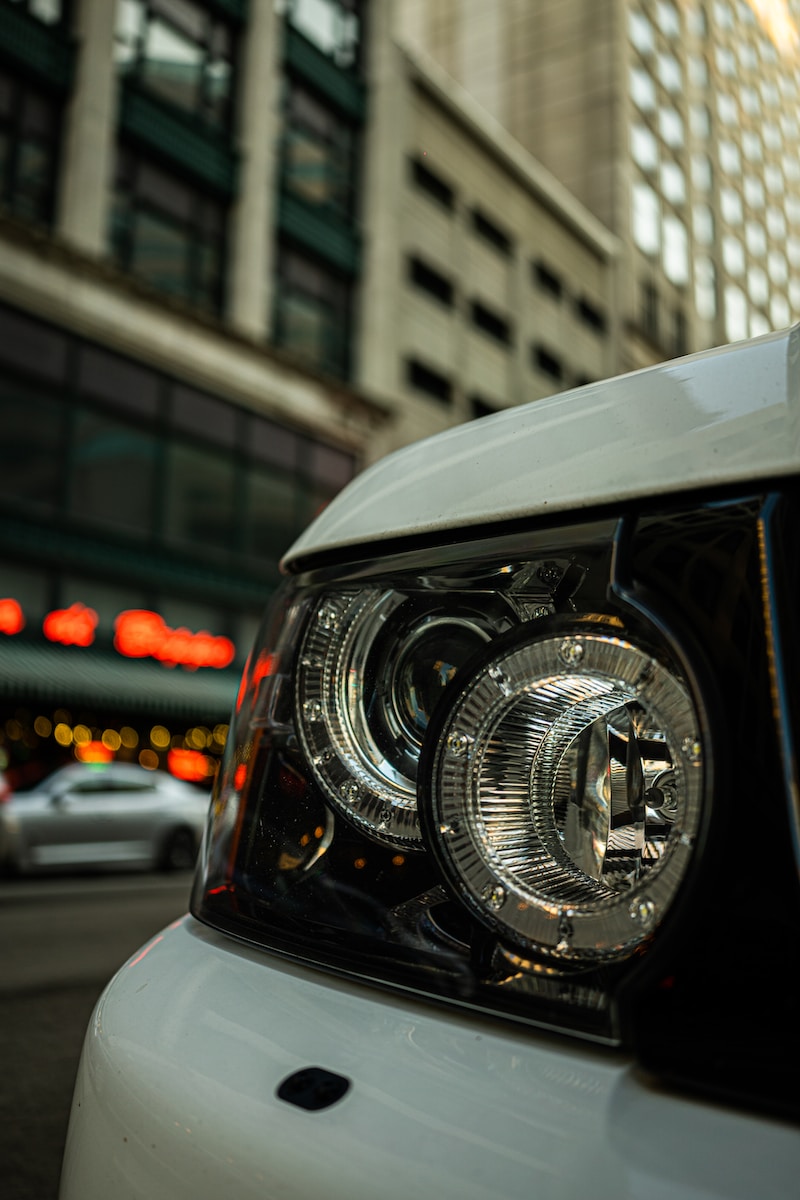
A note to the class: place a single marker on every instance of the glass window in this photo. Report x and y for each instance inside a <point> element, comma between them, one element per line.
<point>757,286</point>
<point>180,52</point>
<point>733,255</point>
<point>35,348</point>
<point>112,473</point>
<point>751,145</point>
<point>793,210</point>
<point>700,121</point>
<point>676,250</point>
<point>698,71</point>
<point>727,109</point>
<point>779,311</point>
<point>668,19</point>
<point>729,158</point>
<point>702,177</point>
<point>731,206</point>
<point>312,315</point>
<point>118,381</point>
<point>736,323</point>
<point>747,56</point>
<point>793,251</point>
<point>640,31</point>
<point>750,101</point>
<point>703,224</point>
<point>669,72</point>
<point>705,288</point>
<point>203,416</point>
<point>791,168</point>
<point>769,94</point>
<point>756,239</point>
<point>334,27</point>
<point>32,447</point>
<point>670,126</point>
<point>778,267</point>
<point>319,152</point>
<point>673,183</point>
<point>645,218</point>
<point>644,147</point>
<point>726,61</point>
<point>643,89</point>
<point>754,191</point>
<point>776,224</point>
<point>200,494</point>
<point>773,178</point>
<point>49,12</point>
<point>168,232</point>
<point>29,130</point>
<point>723,15</point>
<point>771,134</point>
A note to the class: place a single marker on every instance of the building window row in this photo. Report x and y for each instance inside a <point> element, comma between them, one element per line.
<point>547,280</point>
<point>104,443</point>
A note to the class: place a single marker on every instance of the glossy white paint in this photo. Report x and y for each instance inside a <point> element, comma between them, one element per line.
<point>175,1098</point>
<point>726,416</point>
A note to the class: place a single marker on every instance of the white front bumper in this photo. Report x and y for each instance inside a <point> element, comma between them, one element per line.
<point>176,1097</point>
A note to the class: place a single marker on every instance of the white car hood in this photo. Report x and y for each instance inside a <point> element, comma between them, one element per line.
<point>724,416</point>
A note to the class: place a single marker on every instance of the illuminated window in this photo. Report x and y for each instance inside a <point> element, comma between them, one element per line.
<point>700,121</point>
<point>773,178</point>
<point>668,19</point>
<point>181,53</point>
<point>733,255</point>
<point>669,72</point>
<point>676,250</point>
<point>673,183</point>
<point>703,224</point>
<point>645,218</point>
<point>751,145</point>
<point>776,224</point>
<point>778,267</point>
<point>754,191</point>
<point>729,158</point>
<point>643,89</point>
<point>757,285</point>
<point>731,206</point>
<point>640,31</point>
<point>756,239</point>
<point>644,147</point>
<point>779,311</point>
<point>670,126</point>
<point>736,314</point>
<point>727,109</point>
<point>701,172</point>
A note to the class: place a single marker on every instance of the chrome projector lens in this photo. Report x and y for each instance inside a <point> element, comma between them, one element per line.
<point>565,795</point>
<point>373,665</point>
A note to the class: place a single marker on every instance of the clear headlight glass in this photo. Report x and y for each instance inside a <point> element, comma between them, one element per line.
<point>565,794</point>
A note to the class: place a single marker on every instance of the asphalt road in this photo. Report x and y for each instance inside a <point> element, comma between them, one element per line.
<point>61,940</point>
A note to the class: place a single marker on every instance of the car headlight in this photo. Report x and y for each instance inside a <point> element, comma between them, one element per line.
<point>489,773</point>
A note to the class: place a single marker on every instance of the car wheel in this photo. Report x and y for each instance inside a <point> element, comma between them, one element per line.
<point>180,851</point>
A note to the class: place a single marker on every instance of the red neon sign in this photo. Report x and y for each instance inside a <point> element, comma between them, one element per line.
<point>11,618</point>
<point>190,765</point>
<point>139,633</point>
<point>73,626</point>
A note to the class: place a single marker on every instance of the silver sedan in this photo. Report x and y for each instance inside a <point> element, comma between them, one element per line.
<point>105,816</point>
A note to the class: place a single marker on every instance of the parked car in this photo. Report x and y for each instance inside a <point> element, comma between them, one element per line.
<point>499,895</point>
<point>104,815</point>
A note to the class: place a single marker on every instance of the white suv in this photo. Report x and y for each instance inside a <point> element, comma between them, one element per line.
<point>499,895</point>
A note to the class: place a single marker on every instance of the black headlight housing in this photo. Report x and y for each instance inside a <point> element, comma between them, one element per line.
<point>547,775</point>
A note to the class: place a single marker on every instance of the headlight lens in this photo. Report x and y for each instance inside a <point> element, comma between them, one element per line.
<point>565,793</point>
<point>372,667</point>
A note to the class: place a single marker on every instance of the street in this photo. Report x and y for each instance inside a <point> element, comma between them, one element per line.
<point>61,939</point>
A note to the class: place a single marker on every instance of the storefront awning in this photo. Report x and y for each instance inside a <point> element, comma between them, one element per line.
<point>71,675</point>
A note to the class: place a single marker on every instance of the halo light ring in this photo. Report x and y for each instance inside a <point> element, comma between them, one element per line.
<point>496,880</point>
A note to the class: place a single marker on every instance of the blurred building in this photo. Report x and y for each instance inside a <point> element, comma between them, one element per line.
<point>246,247</point>
<point>675,122</point>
